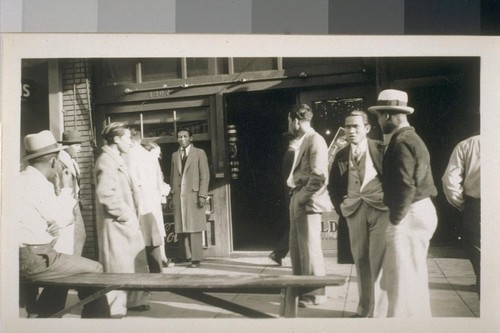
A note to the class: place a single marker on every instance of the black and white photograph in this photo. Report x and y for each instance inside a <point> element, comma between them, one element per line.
<point>214,181</point>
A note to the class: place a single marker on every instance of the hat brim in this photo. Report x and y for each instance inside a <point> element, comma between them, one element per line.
<point>50,151</point>
<point>390,108</point>
<point>69,142</point>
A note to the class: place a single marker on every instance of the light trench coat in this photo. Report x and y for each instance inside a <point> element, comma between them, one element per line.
<point>186,187</point>
<point>121,244</point>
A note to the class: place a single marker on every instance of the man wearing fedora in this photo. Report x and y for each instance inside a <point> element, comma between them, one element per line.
<point>408,187</point>
<point>42,215</point>
<point>72,139</point>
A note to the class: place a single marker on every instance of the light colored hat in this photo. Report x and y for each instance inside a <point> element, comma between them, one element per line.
<point>71,136</point>
<point>40,144</point>
<point>392,100</point>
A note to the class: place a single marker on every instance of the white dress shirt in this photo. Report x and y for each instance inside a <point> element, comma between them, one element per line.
<point>39,205</point>
<point>462,176</point>
<point>297,144</point>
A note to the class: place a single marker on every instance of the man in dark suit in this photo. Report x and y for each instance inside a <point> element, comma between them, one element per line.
<point>408,187</point>
<point>189,176</point>
<point>356,192</point>
<point>308,179</point>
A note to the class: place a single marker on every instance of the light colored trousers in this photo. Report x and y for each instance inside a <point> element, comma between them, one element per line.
<point>367,227</point>
<point>120,300</point>
<point>405,275</point>
<point>305,243</point>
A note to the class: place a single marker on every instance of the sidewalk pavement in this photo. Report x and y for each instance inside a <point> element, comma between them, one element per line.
<point>451,285</point>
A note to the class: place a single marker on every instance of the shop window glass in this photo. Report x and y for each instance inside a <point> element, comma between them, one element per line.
<point>156,69</point>
<point>128,119</point>
<point>165,123</point>
<point>242,65</point>
<point>120,71</point>
<point>206,66</point>
<point>289,63</point>
<point>329,115</point>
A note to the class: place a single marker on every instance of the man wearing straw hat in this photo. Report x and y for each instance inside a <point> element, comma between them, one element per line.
<point>41,215</point>
<point>72,139</point>
<point>408,187</point>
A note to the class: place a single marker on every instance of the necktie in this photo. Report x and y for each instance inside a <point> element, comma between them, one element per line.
<point>357,155</point>
<point>184,157</point>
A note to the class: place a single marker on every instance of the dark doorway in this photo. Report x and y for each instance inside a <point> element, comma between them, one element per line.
<point>259,212</point>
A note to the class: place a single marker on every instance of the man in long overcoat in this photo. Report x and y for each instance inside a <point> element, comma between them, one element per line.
<point>189,178</point>
<point>121,244</point>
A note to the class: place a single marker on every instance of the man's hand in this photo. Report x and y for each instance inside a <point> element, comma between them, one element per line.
<point>66,178</point>
<point>201,202</point>
<point>53,228</point>
<point>170,204</point>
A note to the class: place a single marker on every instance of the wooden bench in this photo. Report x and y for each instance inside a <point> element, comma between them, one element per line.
<point>195,286</point>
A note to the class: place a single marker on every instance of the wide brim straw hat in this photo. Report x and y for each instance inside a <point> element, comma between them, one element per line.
<point>392,100</point>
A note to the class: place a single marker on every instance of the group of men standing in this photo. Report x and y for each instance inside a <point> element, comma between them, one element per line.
<point>384,191</point>
<point>129,187</point>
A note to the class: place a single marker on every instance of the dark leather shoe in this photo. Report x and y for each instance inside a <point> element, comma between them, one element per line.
<point>357,316</point>
<point>141,308</point>
<point>276,259</point>
<point>195,264</point>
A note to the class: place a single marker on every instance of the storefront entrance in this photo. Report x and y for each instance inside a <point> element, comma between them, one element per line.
<point>259,212</point>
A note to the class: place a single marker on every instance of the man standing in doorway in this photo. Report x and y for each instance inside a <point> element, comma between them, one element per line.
<point>308,179</point>
<point>355,188</point>
<point>408,187</point>
<point>189,178</point>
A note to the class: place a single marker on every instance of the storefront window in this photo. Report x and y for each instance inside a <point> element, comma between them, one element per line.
<point>206,66</point>
<point>289,63</point>
<point>242,65</point>
<point>120,71</point>
<point>165,123</point>
<point>155,69</point>
<point>329,115</point>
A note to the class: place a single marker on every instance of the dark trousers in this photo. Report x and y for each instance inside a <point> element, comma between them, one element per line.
<point>42,261</point>
<point>191,245</point>
<point>471,235</point>
<point>153,255</point>
<point>282,249</point>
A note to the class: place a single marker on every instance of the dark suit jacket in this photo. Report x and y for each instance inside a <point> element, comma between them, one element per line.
<point>337,187</point>
<point>407,174</point>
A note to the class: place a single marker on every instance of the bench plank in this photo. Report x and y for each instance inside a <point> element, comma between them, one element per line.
<point>161,281</point>
<point>194,285</point>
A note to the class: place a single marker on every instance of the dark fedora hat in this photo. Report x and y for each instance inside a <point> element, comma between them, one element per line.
<point>71,136</point>
<point>40,144</point>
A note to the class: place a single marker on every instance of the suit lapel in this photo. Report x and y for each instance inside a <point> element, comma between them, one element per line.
<point>303,147</point>
<point>343,160</point>
<point>189,159</point>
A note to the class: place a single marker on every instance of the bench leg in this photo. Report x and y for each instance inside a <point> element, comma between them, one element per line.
<point>84,301</point>
<point>289,300</point>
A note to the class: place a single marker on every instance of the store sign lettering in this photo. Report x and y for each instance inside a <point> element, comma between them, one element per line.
<point>171,235</point>
<point>159,93</point>
<point>329,226</point>
<point>25,90</point>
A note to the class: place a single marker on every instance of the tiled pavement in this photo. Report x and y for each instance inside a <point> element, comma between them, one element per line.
<point>451,284</point>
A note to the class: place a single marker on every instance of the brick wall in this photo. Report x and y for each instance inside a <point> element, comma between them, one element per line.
<point>76,96</point>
